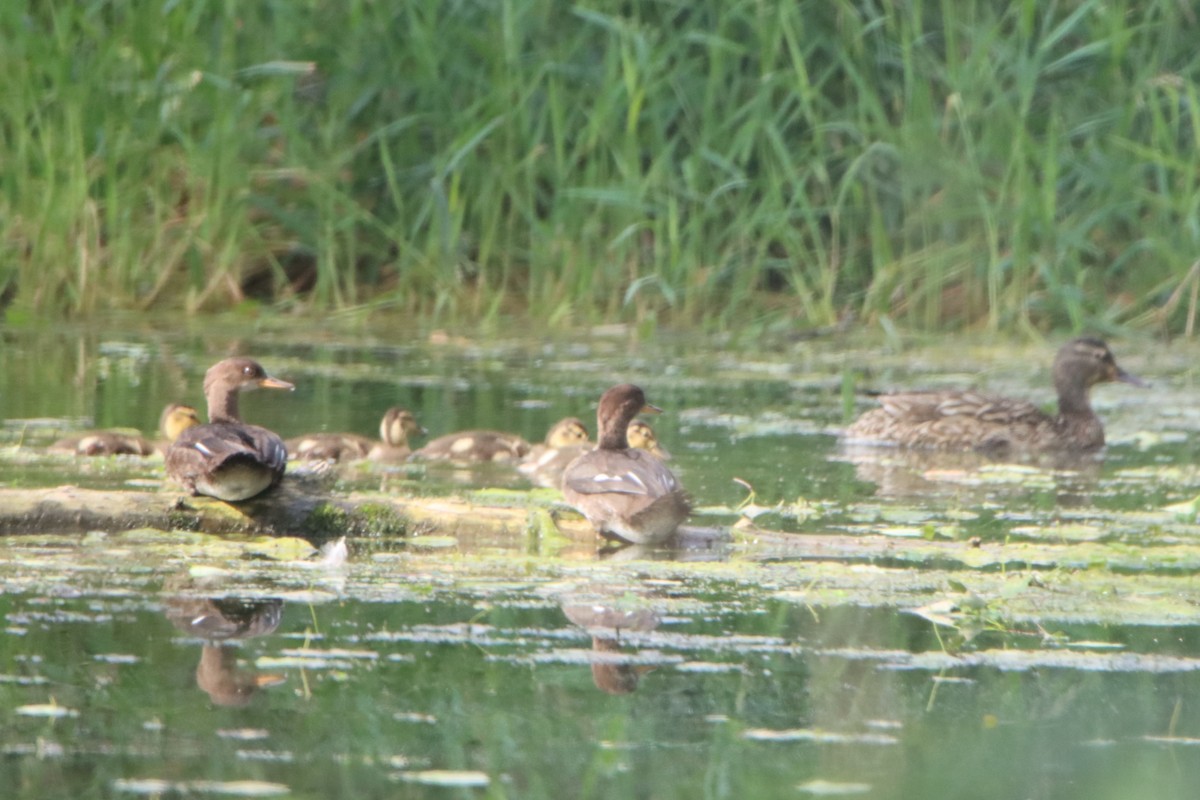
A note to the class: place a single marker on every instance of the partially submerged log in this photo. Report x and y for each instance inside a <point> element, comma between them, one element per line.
<point>530,521</point>
<point>287,510</point>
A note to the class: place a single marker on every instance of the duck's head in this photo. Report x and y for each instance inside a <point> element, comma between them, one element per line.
<point>397,425</point>
<point>618,406</point>
<point>1084,362</point>
<point>239,374</point>
<point>566,433</point>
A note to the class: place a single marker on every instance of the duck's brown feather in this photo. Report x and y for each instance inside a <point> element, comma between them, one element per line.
<point>229,461</point>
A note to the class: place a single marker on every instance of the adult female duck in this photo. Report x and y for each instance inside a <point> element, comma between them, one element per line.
<point>625,493</point>
<point>965,420</point>
<point>228,459</point>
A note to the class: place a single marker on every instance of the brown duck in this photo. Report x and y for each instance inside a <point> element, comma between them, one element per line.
<point>624,493</point>
<point>227,458</point>
<point>568,440</point>
<point>395,428</point>
<point>966,420</point>
<point>174,420</point>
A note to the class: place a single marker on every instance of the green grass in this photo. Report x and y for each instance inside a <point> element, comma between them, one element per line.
<point>938,165</point>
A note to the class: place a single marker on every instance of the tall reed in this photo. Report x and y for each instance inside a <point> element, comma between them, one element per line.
<point>937,163</point>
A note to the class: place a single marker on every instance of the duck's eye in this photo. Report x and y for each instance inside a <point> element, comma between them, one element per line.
<point>248,371</point>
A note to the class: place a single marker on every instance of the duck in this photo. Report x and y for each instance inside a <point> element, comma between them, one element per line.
<point>175,418</point>
<point>474,447</point>
<point>625,494</point>
<point>568,440</point>
<point>968,420</point>
<point>641,436</point>
<point>228,459</point>
<point>394,430</point>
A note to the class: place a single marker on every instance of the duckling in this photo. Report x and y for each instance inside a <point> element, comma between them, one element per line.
<point>624,493</point>
<point>566,440</point>
<point>394,430</point>
<point>175,418</point>
<point>966,420</point>
<point>641,436</point>
<point>228,459</point>
<point>468,447</point>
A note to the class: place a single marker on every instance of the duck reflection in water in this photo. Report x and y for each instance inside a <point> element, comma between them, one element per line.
<point>917,474</point>
<point>219,621</point>
<point>616,666</point>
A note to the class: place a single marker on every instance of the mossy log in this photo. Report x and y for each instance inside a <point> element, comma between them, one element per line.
<point>286,510</point>
<point>497,519</point>
<point>297,510</point>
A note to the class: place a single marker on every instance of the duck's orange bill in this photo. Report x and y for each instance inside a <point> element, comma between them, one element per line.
<point>649,409</point>
<point>274,383</point>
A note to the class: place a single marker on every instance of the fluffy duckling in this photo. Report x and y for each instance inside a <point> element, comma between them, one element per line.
<point>624,493</point>
<point>966,420</point>
<point>394,430</point>
<point>227,458</point>
<point>475,447</point>
<point>566,440</point>
<point>175,418</point>
<point>641,436</point>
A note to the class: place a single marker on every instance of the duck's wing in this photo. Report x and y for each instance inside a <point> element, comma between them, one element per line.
<point>634,472</point>
<point>929,406</point>
<point>951,420</point>
<point>209,446</point>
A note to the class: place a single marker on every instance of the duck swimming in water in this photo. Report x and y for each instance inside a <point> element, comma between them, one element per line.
<point>968,420</point>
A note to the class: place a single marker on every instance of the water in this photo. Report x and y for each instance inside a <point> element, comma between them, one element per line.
<point>889,629</point>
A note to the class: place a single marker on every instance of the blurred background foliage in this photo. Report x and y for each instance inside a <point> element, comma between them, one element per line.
<point>936,165</point>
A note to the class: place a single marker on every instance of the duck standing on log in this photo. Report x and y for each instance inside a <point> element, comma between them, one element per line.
<point>228,459</point>
<point>625,493</point>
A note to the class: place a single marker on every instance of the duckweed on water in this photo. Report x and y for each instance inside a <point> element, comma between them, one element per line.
<point>1028,615</point>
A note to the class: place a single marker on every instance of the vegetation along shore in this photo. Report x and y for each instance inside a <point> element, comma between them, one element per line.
<point>937,165</point>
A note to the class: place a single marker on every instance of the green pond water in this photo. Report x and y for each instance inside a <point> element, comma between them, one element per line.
<point>871,624</point>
